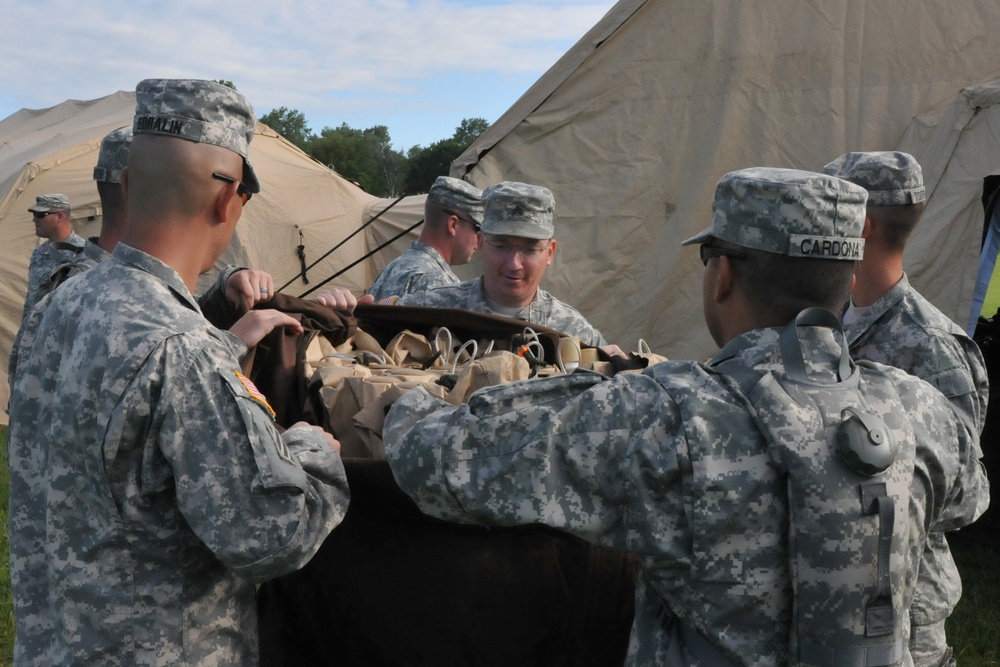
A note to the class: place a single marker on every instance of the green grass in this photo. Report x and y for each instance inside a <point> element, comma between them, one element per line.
<point>974,626</point>
<point>973,630</point>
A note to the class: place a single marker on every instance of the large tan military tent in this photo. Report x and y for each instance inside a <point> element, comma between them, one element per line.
<point>302,203</point>
<point>634,126</point>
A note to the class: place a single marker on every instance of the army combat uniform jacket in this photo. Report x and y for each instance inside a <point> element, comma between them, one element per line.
<point>149,487</point>
<point>45,258</point>
<point>545,310</point>
<point>903,329</point>
<point>670,465</point>
<point>418,269</point>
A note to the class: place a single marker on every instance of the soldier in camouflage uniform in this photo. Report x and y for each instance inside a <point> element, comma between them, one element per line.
<point>890,322</point>
<point>453,212</point>
<point>516,247</point>
<point>149,485</point>
<point>671,465</point>
<point>107,174</point>
<point>51,216</point>
<point>111,162</point>
<point>235,290</point>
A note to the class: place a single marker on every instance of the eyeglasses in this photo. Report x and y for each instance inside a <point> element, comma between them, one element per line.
<point>241,189</point>
<point>526,251</point>
<point>40,214</point>
<point>707,252</point>
<point>475,225</point>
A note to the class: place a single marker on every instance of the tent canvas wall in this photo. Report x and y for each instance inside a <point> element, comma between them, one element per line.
<point>958,147</point>
<point>55,150</point>
<point>634,126</point>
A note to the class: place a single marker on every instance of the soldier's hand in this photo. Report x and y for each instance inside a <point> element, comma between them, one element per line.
<point>252,327</point>
<point>330,440</point>
<point>337,298</point>
<point>613,351</point>
<point>247,287</point>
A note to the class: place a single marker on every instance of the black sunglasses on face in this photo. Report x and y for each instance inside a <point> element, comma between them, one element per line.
<point>475,225</point>
<point>707,252</point>
<point>241,189</point>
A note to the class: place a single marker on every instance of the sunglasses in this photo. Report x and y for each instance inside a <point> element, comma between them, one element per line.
<point>707,252</point>
<point>475,225</point>
<point>39,214</point>
<point>241,189</point>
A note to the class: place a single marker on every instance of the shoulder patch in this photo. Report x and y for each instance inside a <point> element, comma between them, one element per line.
<point>255,393</point>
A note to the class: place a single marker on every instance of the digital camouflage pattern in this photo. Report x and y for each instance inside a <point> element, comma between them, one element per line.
<point>788,212</point>
<point>671,466</point>
<point>45,261</point>
<point>904,330</point>
<point>518,209</point>
<point>202,111</point>
<point>53,202</point>
<point>456,194</point>
<point>892,178</point>
<point>418,269</point>
<point>545,309</point>
<point>113,156</point>
<point>149,487</point>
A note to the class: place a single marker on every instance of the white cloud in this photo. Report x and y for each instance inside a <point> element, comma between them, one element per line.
<point>331,60</point>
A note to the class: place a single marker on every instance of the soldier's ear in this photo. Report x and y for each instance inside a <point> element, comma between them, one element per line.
<point>867,228</point>
<point>724,277</point>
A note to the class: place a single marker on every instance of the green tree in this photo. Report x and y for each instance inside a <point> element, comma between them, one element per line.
<point>289,123</point>
<point>469,130</point>
<point>230,84</point>
<point>426,164</point>
<point>363,156</point>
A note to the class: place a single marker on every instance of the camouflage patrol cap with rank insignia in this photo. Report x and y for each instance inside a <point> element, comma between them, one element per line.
<point>456,193</point>
<point>788,212</point>
<point>892,178</point>
<point>202,111</point>
<point>113,156</point>
<point>518,209</point>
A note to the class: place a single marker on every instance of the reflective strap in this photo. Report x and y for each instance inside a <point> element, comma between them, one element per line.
<point>876,655</point>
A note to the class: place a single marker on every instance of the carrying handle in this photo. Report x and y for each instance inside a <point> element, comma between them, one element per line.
<point>791,346</point>
<point>441,347</point>
<point>471,343</point>
<point>568,366</point>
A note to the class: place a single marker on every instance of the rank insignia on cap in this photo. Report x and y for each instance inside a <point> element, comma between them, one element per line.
<point>255,393</point>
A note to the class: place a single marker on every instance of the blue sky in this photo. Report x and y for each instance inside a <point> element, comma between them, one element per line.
<point>416,66</point>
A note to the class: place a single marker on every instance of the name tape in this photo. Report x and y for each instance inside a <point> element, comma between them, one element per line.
<point>824,247</point>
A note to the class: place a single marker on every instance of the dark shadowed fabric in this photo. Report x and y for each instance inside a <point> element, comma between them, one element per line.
<point>391,586</point>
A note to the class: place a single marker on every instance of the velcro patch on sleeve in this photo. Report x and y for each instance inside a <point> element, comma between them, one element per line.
<point>255,393</point>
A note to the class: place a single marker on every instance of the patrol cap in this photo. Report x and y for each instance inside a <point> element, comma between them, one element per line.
<point>113,156</point>
<point>518,209</point>
<point>53,202</point>
<point>892,178</point>
<point>788,212</point>
<point>203,111</point>
<point>456,193</point>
